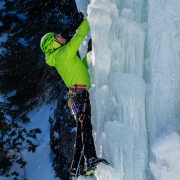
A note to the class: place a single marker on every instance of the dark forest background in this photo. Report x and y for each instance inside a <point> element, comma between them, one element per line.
<point>26,81</point>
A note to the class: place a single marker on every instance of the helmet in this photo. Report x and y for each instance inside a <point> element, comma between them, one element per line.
<point>47,42</point>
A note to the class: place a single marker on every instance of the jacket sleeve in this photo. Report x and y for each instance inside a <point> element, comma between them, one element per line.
<point>73,45</point>
<point>84,60</point>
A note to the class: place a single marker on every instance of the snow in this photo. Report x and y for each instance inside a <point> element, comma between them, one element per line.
<point>39,163</point>
<point>2,4</point>
<point>135,70</point>
<point>167,154</point>
<point>21,16</point>
<point>23,41</point>
<point>3,38</point>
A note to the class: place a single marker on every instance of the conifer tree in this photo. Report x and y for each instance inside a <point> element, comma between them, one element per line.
<point>23,64</point>
<point>14,139</point>
<point>24,72</point>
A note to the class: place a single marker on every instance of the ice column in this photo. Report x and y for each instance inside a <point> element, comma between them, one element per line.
<point>127,136</point>
<point>100,22</point>
<point>82,6</point>
<point>163,96</point>
<point>132,37</point>
<point>118,90</point>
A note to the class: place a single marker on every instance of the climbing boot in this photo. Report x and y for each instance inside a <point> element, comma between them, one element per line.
<point>93,162</point>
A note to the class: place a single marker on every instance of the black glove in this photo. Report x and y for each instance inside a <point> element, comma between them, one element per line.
<point>89,45</point>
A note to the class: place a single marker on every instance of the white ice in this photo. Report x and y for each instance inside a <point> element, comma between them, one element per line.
<point>135,70</point>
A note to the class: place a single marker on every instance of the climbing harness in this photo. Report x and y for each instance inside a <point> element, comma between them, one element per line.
<point>76,106</point>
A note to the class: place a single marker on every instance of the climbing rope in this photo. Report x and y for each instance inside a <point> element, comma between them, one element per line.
<point>82,154</point>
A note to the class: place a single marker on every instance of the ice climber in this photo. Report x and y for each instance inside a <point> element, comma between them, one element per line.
<point>74,72</point>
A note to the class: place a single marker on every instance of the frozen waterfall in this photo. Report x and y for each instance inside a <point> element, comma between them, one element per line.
<point>135,94</point>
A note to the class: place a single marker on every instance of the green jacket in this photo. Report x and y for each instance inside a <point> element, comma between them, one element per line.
<point>68,64</point>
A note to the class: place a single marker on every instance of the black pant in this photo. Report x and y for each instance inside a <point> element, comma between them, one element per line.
<point>84,130</point>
